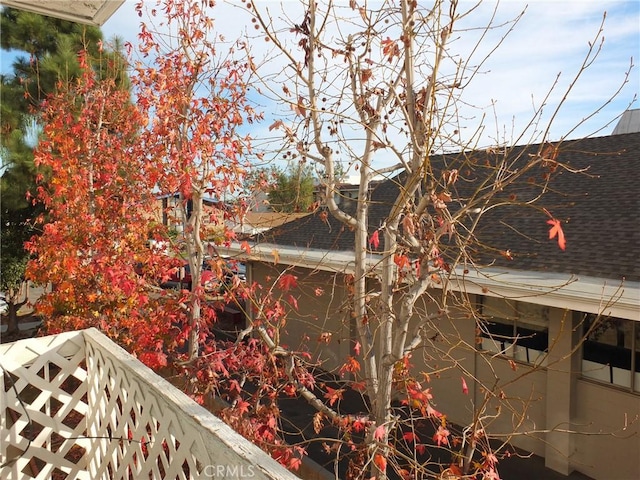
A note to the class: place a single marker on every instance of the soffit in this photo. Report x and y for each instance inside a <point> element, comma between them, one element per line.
<point>92,12</point>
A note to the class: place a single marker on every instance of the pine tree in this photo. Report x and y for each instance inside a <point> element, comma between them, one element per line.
<point>293,190</point>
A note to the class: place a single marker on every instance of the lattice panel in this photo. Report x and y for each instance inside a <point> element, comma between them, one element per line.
<point>149,438</point>
<point>44,403</point>
<point>77,406</point>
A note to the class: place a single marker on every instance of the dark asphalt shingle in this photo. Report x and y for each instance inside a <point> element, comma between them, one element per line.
<point>599,209</point>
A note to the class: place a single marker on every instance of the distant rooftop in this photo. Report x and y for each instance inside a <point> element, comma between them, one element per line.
<point>628,123</point>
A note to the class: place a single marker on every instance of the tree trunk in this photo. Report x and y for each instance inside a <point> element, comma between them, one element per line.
<point>14,305</point>
<point>195,252</point>
<point>12,319</point>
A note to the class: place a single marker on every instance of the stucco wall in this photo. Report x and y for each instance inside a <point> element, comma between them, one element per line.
<point>610,451</point>
<point>321,323</point>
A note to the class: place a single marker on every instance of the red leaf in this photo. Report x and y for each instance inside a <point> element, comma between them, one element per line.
<point>380,433</point>
<point>374,240</point>
<point>242,406</point>
<point>359,386</point>
<point>441,436</point>
<point>359,424</point>
<point>293,302</point>
<point>410,437</point>
<point>465,389</point>
<point>357,347</point>
<point>402,261</point>
<point>380,462</point>
<point>556,230</point>
<point>287,282</point>
<point>245,247</point>
<point>351,365</point>
<point>333,394</point>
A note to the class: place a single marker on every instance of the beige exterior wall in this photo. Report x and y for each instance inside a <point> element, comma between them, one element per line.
<point>609,452</point>
<point>316,316</point>
<point>547,400</point>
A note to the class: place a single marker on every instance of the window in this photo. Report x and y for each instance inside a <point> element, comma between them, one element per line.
<point>611,350</point>
<point>518,330</point>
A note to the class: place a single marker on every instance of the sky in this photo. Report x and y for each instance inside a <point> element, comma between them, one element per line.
<point>550,40</point>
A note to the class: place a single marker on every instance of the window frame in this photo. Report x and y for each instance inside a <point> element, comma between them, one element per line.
<point>603,362</point>
<point>513,333</point>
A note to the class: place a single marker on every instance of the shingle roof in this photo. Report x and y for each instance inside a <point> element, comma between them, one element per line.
<point>599,210</point>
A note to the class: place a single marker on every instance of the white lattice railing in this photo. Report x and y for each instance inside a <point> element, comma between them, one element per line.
<point>76,406</point>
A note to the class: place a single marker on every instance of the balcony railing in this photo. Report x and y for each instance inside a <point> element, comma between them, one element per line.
<point>77,406</point>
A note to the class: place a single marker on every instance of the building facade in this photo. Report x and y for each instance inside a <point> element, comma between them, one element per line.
<point>557,331</point>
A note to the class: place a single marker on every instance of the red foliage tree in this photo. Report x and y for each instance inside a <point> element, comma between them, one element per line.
<point>195,95</point>
<point>96,234</point>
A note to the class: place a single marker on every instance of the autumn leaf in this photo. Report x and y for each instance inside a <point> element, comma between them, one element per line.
<point>290,390</point>
<point>359,424</point>
<point>380,462</point>
<point>318,424</point>
<point>390,49</point>
<point>359,386</point>
<point>363,14</point>
<point>450,176</point>
<point>410,437</point>
<point>444,197</point>
<point>276,124</point>
<point>287,282</point>
<point>465,389</point>
<point>246,248</point>
<point>242,406</point>
<point>276,256</point>
<point>351,366</point>
<point>299,108</point>
<point>556,230</point>
<point>379,433</point>
<point>333,394</point>
<point>405,474</point>
<point>365,75</point>
<point>402,261</point>
<point>432,412</point>
<point>408,225</point>
<point>357,347</point>
<point>550,152</point>
<point>441,437</point>
<point>293,302</point>
<point>374,240</point>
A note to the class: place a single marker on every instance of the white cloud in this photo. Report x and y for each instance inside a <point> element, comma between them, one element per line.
<point>551,38</point>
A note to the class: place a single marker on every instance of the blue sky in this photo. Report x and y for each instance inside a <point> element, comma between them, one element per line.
<point>551,39</point>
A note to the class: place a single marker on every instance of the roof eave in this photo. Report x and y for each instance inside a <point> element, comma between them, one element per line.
<point>581,293</point>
